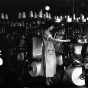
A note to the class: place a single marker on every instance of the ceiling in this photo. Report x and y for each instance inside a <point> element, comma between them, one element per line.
<point>59,6</point>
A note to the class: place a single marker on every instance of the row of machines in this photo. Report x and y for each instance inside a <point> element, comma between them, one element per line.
<point>21,43</point>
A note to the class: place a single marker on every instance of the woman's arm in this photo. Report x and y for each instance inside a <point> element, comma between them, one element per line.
<point>56,40</point>
<point>59,40</point>
<point>49,37</point>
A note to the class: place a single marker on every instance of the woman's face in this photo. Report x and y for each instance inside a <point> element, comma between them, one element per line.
<point>51,27</point>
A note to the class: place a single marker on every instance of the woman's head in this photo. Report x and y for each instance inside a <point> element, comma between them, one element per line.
<point>51,27</point>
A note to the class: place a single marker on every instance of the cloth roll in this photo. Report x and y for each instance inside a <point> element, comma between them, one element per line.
<point>36,69</point>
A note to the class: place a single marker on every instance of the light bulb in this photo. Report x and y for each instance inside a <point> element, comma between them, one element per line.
<point>47,8</point>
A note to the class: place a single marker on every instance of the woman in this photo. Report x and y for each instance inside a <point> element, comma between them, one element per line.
<point>49,56</point>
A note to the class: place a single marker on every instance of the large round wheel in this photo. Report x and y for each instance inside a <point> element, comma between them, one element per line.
<point>36,71</point>
<point>74,75</point>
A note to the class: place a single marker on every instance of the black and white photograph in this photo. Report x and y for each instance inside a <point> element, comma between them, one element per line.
<point>43,43</point>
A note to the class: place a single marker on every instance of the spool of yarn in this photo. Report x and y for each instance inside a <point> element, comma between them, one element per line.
<point>36,71</point>
<point>74,75</point>
<point>77,49</point>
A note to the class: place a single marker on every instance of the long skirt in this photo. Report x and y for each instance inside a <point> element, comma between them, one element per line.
<point>48,59</point>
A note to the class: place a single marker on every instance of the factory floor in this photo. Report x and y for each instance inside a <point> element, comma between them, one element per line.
<point>39,82</point>
<point>22,79</point>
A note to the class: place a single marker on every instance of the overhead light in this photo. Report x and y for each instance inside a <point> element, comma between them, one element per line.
<point>47,8</point>
<point>1,61</point>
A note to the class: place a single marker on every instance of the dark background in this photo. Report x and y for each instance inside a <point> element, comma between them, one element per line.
<point>57,6</point>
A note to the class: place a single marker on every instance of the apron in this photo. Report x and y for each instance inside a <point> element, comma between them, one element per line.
<point>48,58</point>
